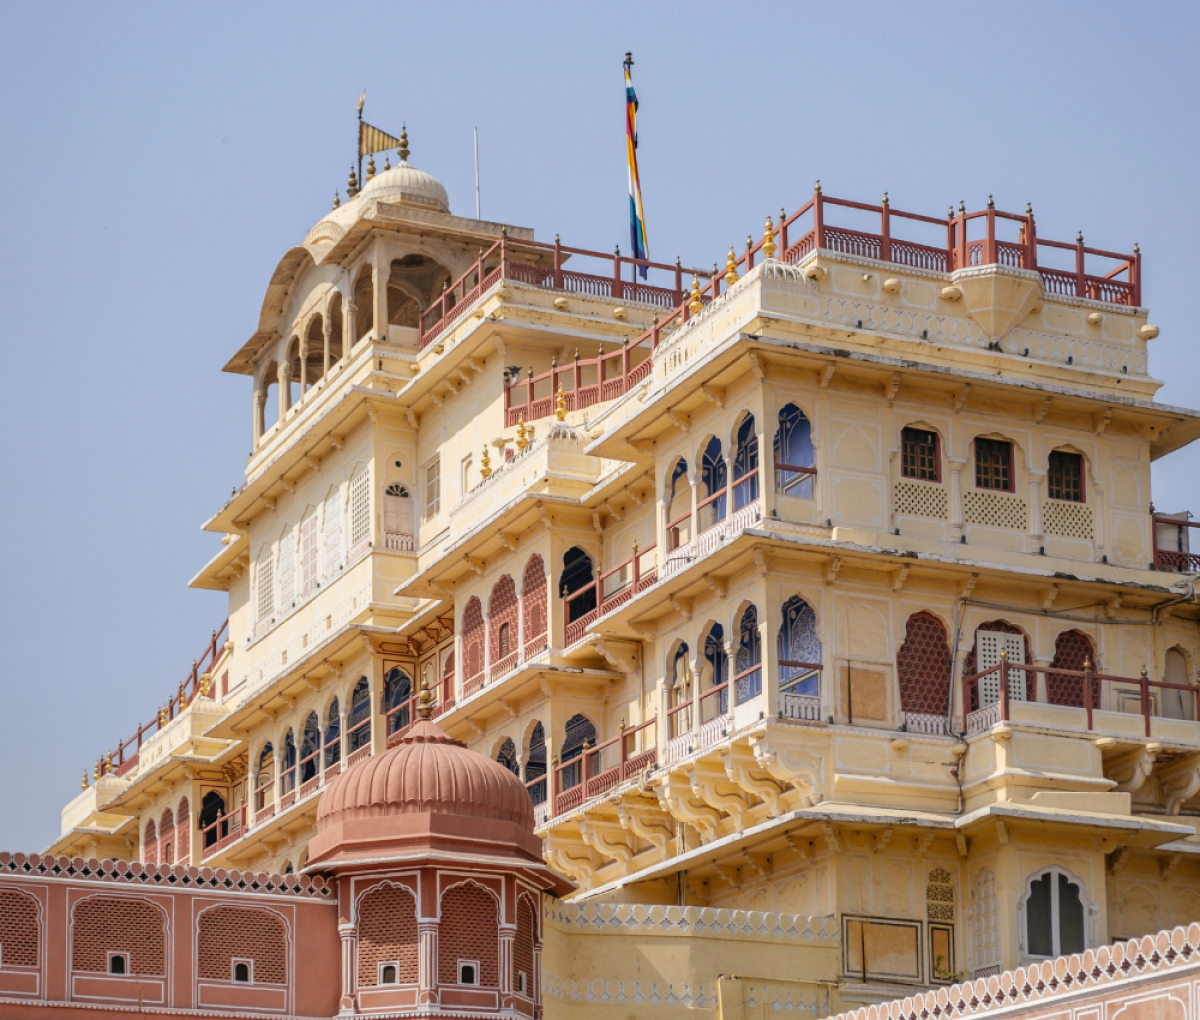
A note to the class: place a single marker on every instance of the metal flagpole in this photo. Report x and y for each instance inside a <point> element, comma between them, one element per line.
<point>362,98</point>
<point>477,173</point>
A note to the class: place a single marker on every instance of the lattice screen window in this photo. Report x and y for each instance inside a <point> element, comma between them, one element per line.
<point>469,930</point>
<point>287,569</point>
<point>922,500</point>
<point>985,925</point>
<point>939,896</point>
<point>18,929</point>
<point>239,933</point>
<point>266,584</point>
<point>923,666</point>
<point>111,924</point>
<point>183,833</point>
<point>1068,520</point>
<point>360,506</point>
<point>988,646</point>
<point>333,534</point>
<point>308,555</point>
<point>995,511</point>
<point>387,933</point>
<point>433,489</point>
<point>523,944</point>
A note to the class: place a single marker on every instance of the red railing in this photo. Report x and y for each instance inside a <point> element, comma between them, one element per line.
<point>503,261</point>
<point>630,579</point>
<point>400,720</point>
<point>1064,687</point>
<point>598,769</point>
<point>792,476</point>
<point>225,830</point>
<point>123,760</point>
<point>1172,547</point>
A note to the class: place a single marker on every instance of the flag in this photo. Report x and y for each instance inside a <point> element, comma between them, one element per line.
<point>637,218</point>
<point>372,140</point>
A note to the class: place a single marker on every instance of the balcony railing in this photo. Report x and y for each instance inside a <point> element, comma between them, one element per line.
<point>1067,688</point>
<point>614,588</point>
<point>598,769</point>
<point>1173,545</point>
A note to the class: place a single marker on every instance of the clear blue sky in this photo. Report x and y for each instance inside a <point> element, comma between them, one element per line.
<point>157,160</point>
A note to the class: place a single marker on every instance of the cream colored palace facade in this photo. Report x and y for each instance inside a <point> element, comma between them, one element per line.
<point>731,685</point>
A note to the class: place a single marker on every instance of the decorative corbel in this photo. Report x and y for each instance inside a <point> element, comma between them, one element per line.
<point>714,394</point>
<point>826,376</point>
<point>893,387</point>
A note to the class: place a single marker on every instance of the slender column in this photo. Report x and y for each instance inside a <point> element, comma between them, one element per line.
<point>1098,511</point>
<point>730,673</point>
<point>303,366</point>
<point>695,529</point>
<point>770,667</point>
<point>766,473</point>
<point>1036,531</point>
<point>427,958</point>
<point>327,333</point>
<point>349,327</point>
<point>321,754</point>
<point>505,961</point>
<point>278,759</point>
<point>285,391</point>
<point>258,416</point>
<point>349,935</point>
<point>660,531</point>
<point>379,325</point>
<point>956,502</point>
<point>728,489</point>
<point>696,711</point>
<point>343,742</point>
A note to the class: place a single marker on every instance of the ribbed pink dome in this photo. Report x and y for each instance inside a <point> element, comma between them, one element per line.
<point>428,772</point>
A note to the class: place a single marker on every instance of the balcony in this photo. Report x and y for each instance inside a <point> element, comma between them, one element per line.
<point>1172,543</point>
<point>598,769</point>
<point>613,588</point>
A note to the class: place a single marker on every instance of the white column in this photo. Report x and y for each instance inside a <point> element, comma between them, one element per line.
<point>1036,531</point>
<point>766,473</point>
<point>731,672</point>
<point>770,668</point>
<point>303,366</point>
<point>427,962</point>
<point>956,503</point>
<point>349,936</point>
<point>728,489</point>
<point>327,330</point>
<point>258,416</point>
<point>379,325</point>
<point>349,327</point>
<point>285,391</point>
<point>695,528</point>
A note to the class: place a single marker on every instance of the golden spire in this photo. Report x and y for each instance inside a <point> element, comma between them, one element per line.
<point>337,199</point>
<point>352,182</point>
<point>371,166</point>
<point>696,304</point>
<point>402,152</point>
<point>108,764</point>
<point>205,681</point>
<point>560,404</point>
<point>768,248</point>
<point>182,697</point>
<point>485,463</point>
<point>424,700</point>
<point>731,274</point>
<point>84,786</point>
<point>97,776</point>
<point>522,436</point>
<point>387,163</point>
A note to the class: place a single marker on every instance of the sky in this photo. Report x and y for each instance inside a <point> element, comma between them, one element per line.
<point>159,159</point>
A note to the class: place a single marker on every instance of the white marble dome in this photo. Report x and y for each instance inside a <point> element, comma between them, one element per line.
<point>403,183</point>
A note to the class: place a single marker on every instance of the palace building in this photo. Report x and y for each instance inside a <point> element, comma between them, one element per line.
<point>793,634</point>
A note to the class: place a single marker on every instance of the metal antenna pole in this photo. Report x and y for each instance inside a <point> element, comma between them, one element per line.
<point>477,216</point>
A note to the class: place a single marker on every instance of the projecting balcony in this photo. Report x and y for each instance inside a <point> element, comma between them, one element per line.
<point>1173,543</point>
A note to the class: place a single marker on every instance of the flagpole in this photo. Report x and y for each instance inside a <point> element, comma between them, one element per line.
<point>477,173</point>
<point>362,98</point>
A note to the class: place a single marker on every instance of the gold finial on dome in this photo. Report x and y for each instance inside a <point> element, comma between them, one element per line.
<point>352,184</point>
<point>425,700</point>
<point>84,785</point>
<point>731,273</point>
<point>522,435</point>
<point>768,247</point>
<point>337,199</point>
<point>485,463</point>
<point>182,696</point>
<point>387,163</point>
<point>97,776</point>
<point>696,304</point>
<point>371,167</point>
<point>402,152</point>
<point>560,403</point>
<point>108,763</point>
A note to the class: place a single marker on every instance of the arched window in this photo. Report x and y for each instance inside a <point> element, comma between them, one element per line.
<point>1054,914</point>
<point>533,606</point>
<point>308,554</point>
<point>523,946</point>
<point>166,838</point>
<point>985,924</point>
<point>387,936</point>
<point>397,698</point>
<point>358,725</point>
<point>150,844</point>
<point>507,756</point>
<point>241,972</point>
<point>578,734</point>
<point>923,674</point>
<point>336,327</point>
<point>183,833</point>
<point>1177,704</point>
<point>287,570</point>
<point>333,734</point>
<point>287,778</point>
<point>20,929</point>
<point>360,512</point>
<point>503,612</point>
<point>364,304</point>
<point>795,463</point>
<point>472,641</point>
<point>314,367</point>
<point>714,475</point>
<point>264,777</point>
<point>214,826</point>
<point>679,507</point>
<point>398,517</point>
<point>920,455</point>
<point>991,639</point>
<point>799,649</point>
<point>714,674</point>
<point>745,464</point>
<point>310,748</point>
<point>535,764</point>
<point>1072,651</point>
<point>333,533</point>
<point>265,582</point>
<point>468,937</point>
<point>749,657</point>
<point>576,584</point>
<point>680,677</point>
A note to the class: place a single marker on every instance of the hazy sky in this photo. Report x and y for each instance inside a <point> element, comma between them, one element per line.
<point>158,160</point>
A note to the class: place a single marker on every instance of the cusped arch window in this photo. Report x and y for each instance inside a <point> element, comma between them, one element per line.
<point>1054,914</point>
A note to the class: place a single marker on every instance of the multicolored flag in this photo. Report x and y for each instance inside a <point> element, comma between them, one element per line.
<point>637,216</point>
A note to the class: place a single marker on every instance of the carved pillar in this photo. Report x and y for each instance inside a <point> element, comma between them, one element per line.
<point>1098,512</point>
<point>1036,531</point>
<point>285,391</point>
<point>327,332</point>
<point>303,366</point>
<point>427,960</point>
<point>660,530</point>
<point>770,666</point>
<point>508,934</point>
<point>766,472</point>
<point>349,935</point>
<point>379,325</point>
<point>278,794</point>
<point>728,489</point>
<point>695,528</point>
<point>956,503</point>
<point>731,672</point>
<point>349,327</point>
<point>258,416</point>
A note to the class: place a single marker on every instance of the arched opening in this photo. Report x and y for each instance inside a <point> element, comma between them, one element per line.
<point>715,477</point>
<point>364,303</point>
<point>268,400</point>
<point>535,764</point>
<point>214,825</point>
<point>714,675</point>
<point>679,673</point>
<point>287,778</point>
<point>412,283</point>
<point>468,937</point>
<point>397,701</point>
<point>1054,914</point>
<point>800,660</point>
<point>387,976</point>
<point>745,464</point>
<point>183,833</point>
<point>1177,704</point>
<point>117,964</point>
<point>679,507</point>
<point>507,756</point>
<point>150,844</point>
<point>748,660</point>
<point>923,665</point>
<point>358,724</point>
<point>578,735</point>
<point>264,777</point>
<point>333,735</point>
<point>503,614</point>
<point>166,838</point>
<point>398,518</point>
<point>310,748</point>
<point>472,643</point>
<point>575,584</point>
<point>314,355</point>
<point>293,372</point>
<point>241,972</point>
<point>387,936</point>
<point>991,639</point>
<point>533,606</point>
<point>795,461</point>
<point>1073,651</point>
<point>336,326</point>
<point>524,945</point>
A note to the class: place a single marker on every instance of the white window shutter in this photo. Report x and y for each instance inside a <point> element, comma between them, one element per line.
<point>988,646</point>
<point>333,534</point>
<point>360,507</point>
